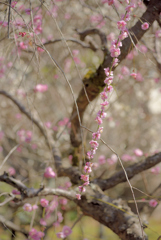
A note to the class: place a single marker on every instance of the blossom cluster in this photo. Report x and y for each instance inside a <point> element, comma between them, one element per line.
<point>115,51</point>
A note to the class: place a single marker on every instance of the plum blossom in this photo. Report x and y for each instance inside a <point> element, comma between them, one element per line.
<point>153,203</point>
<point>102,159</point>
<point>121,25</point>
<point>49,173</point>
<point>43,222</point>
<point>44,202</point>
<point>145,26</point>
<point>155,170</point>
<point>41,88</point>
<point>11,171</point>
<point>65,232</point>
<point>158,34</point>
<point>27,207</point>
<point>78,196</point>
<point>36,235</point>
<point>138,152</point>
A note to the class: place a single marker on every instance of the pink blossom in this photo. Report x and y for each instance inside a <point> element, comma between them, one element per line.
<point>98,120</point>
<point>67,16</point>
<point>41,88</point>
<point>49,173</point>
<point>63,201</point>
<point>138,152</point>
<point>22,34</point>
<point>123,35</point>
<point>107,72</point>
<point>18,116</point>
<point>68,184</point>
<point>90,154</point>
<point>104,96</point>
<point>158,34</point>
<point>126,157</point>
<point>82,189</point>
<point>143,49</point>
<point>139,77</point>
<point>28,11</point>
<point>130,7</point>
<point>55,128</point>
<point>109,88</point>
<point>102,159</point>
<point>60,235</point>
<point>34,207</point>
<point>115,62</point>
<point>125,70</point>
<point>155,170</point>
<point>156,80</point>
<point>43,222</point>
<point>145,26</point>
<point>23,45</point>
<point>153,203</point>
<point>11,171</point>
<point>86,183</point>
<point>85,177</point>
<point>36,235</point>
<point>15,192</point>
<point>44,202</point>
<point>60,217</point>
<point>121,25</point>
<point>3,23</point>
<point>101,114</point>
<point>108,80</point>
<point>115,52</point>
<point>111,36</point>
<point>67,231</point>
<point>94,144</point>
<point>104,104</point>
<point>87,169</point>
<point>27,207</point>
<point>13,4</point>
<point>112,160</point>
<point>110,2</point>
<point>78,196</point>
<point>133,75</point>
<point>48,124</point>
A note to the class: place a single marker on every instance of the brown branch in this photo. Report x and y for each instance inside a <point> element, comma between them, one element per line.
<point>93,31</point>
<point>93,84</point>
<point>82,44</point>
<point>113,214</point>
<point>131,171</point>
<point>32,192</point>
<point>8,224</point>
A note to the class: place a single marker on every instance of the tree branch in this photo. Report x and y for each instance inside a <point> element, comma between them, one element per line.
<point>131,171</point>
<point>8,224</point>
<point>93,84</point>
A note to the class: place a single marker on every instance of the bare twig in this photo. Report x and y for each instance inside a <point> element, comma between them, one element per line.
<point>92,31</point>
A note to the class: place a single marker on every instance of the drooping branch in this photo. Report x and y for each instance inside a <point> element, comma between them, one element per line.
<point>92,46</point>
<point>8,224</point>
<point>131,171</point>
<point>93,84</point>
<point>48,137</point>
